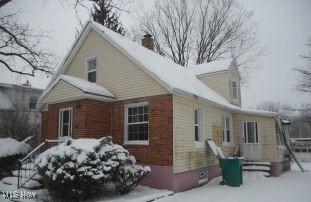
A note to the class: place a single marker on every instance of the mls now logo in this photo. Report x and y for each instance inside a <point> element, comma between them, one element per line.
<point>19,195</point>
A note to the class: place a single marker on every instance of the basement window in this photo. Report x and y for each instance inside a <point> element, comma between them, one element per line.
<point>91,69</point>
<point>137,123</point>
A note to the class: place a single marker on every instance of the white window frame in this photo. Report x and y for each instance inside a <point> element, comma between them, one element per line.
<point>225,129</point>
<point>235,95</point>
<point>200,143</point>
<point>135,142</point>
<point>60,124</point>
<point>246,135</point>
<point>87,71</point>
<point>32,96</point>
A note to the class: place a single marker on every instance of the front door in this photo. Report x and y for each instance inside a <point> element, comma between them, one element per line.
<point>251,141</point>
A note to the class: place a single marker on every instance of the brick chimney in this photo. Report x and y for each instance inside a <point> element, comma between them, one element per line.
<point>148,42</point>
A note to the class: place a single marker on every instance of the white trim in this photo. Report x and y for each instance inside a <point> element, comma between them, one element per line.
<point>134,142</point>
<point>87,71</point>
<point>224,131</point>
<point>259,137</point>
<point>60,124</point>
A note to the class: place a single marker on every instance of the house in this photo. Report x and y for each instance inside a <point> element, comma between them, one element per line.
<point>20,99</point>
<point>161,112</point>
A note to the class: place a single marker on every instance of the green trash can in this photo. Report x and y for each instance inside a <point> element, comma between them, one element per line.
<point>232,171</point>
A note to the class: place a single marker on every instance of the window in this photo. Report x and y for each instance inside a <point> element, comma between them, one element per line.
<point>251,132</point>
<point>198,124</point>
<point>65,122</point>
<point>234,90</point>
<point>227,130</point>
<point>91,70</point>
<point>137,123</point>
<point>33,102</point>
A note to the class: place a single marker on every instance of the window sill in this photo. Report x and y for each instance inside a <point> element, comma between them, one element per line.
<point>228,144</point>
<point>136,143</point>
<point>199,144</point>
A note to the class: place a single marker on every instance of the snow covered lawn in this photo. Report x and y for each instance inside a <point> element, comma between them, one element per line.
<point>139,194</point>
<point>289,187</point>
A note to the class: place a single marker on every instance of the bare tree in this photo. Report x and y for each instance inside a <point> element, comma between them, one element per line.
<point>304,82</point>
<point>171,23</point>
<point>203,31</point>
<point>284,110</point>
<point>20,50</point>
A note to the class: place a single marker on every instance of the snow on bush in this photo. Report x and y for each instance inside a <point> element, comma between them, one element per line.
<point>81,168</point>
<point>10,151</point>
<point>10,147</point>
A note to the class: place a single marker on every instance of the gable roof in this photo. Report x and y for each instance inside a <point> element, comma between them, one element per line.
<point>83,85</point>
<point>211,67</point>
<point>175,78</point>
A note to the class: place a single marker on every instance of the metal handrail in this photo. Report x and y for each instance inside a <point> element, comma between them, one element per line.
<point>29,159</point>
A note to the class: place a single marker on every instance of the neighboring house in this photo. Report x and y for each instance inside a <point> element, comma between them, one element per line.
<point>301,145</point>
<point>21,99</point>
<point>161,112</point>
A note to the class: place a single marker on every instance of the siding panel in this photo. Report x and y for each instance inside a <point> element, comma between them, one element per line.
<point>115,71</point>
<point>186,156</point>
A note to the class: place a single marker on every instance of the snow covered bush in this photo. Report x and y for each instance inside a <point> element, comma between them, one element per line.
<point>81,168</point>
<point>10,151</point>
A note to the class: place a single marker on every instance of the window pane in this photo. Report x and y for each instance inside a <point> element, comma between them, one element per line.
<point>91,64</point>
<point>234,90</point>
<point>250,132</point>
<point>227,123</point>
<point>228,136</point>
<point>32,102</point>
<point>91,77</point>
<point>140,110</point>
<point>196,133</point>
<point>256,132</point>
<point>65,130</point>
<point>146,109</point>
<point>65,116</point>
<point>195,116</point>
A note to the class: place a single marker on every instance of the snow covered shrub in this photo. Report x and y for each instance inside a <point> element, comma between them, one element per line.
<point>10,151</point>
<point>81,168</point>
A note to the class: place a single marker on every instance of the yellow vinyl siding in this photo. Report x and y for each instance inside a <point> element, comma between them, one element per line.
<point>266,134</point>
<point>219,82</point>
<point>62,92</point>
<point>186,155</point>
<point>115,71</point>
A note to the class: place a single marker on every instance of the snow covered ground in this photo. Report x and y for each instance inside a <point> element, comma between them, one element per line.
<point>289,187</point>
<point>304,156</point>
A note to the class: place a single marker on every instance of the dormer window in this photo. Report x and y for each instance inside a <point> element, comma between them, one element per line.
<point>91,69</point>
<point>234,90</point>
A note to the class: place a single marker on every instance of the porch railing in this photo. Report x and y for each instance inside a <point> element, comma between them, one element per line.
<point>27,170</point>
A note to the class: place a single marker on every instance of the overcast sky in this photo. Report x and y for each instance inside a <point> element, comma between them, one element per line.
<point>283,26</point>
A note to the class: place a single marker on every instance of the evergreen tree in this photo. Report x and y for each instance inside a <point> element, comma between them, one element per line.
<point>104,12</point>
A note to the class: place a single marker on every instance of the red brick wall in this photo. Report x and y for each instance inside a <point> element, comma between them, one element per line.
<point>160,148</point>
<point>92,119</point>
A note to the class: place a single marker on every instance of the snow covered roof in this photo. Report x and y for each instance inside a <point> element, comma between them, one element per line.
<point>5,102</point>
<point>172,76</point>
<point>83,85</point>
<point>211,67</point>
